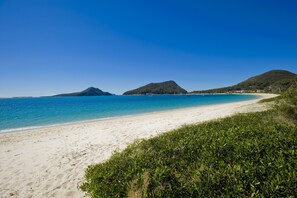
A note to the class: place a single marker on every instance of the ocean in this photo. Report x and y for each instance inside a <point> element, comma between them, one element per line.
<point>23,113</point>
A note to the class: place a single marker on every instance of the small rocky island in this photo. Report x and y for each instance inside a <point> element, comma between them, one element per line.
<point>167,87</point>
<point>91,91</point>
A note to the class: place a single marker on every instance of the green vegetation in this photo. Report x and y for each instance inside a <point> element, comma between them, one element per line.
<point>247,155</point>
<point>168,87</point>
<point>276,81</point>
<point>91,91</point>
<point>271,100</point>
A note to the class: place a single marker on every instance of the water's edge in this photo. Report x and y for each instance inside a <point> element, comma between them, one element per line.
<point>23,129</point>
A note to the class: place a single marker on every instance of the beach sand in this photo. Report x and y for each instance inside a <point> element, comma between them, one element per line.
<point>50,161</point>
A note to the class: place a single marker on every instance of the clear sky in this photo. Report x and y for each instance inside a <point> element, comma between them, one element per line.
<point>57,46</point>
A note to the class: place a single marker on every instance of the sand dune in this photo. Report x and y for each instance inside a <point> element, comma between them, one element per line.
<point>50,162</point>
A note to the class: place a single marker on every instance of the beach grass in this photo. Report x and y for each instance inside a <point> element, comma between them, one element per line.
<point>246,155</point>
<point>274,99</point>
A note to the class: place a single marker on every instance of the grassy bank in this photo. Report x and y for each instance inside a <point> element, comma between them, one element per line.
<point>252,154</point>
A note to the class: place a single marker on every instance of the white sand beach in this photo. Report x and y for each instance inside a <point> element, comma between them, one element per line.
<point>50,161</point>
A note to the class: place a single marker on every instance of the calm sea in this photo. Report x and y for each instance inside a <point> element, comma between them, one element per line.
<point>20,113</point>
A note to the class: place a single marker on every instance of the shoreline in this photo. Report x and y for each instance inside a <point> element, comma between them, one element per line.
<point>50,161</point>
<point>29,128</point>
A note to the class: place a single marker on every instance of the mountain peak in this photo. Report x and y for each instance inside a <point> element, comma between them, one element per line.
<point>91,91</point>
<point>278,71</point>
<point>268,78</point>
<point>167,87</point>
<point>91,88</point>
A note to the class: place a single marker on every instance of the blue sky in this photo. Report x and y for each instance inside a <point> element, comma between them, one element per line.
<point>56,46</point>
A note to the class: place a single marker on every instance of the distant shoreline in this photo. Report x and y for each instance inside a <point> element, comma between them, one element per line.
<point>189,93</point>
<point>24,129</point>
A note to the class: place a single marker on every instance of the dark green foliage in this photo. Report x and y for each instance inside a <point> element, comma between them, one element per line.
<point>272,81</point>
<point>168,87</point>
<point>91,91</point>
<point>287,105</point>
<point>285,84</point>
<point>267,79</point>
<point>247,155</point>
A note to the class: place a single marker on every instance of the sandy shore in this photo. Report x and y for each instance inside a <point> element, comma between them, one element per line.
<point>50,162</point>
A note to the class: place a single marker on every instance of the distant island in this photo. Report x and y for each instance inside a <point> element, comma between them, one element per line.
<point>272,81</point>
<point>91,91</point>
<point>167,87</point>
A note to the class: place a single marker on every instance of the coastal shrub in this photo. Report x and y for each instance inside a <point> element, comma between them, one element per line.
<point>246,155</point>
<point>287,106</point>
<point>274,99</point>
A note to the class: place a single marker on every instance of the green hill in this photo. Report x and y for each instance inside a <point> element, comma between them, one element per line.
<point>271,81</point>
<point>168,87</point>
<point>91,91</point>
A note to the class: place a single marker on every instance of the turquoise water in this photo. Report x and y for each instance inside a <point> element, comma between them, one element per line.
<point>19,113</point>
